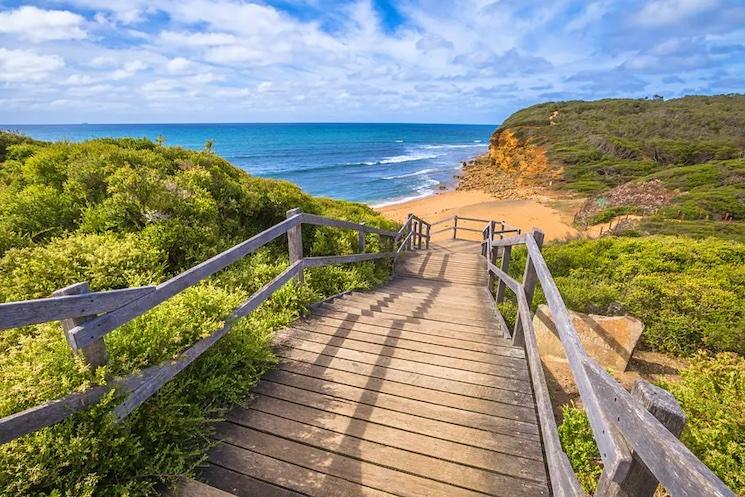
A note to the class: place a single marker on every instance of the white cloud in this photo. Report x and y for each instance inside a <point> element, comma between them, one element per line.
<point>179,65</point>
<point>23,65</point>
<point>128,70</point>
<point>665,12</point>
<point>34,24</point>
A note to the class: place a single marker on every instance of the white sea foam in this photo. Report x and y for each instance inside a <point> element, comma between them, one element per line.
<point>446,147</point>
<point>409,175</point>
<point>403,200</point>
<point>407,158</point>
<point>399,141</point>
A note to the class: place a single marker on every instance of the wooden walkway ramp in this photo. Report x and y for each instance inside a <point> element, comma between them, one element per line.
<point>409,390</point>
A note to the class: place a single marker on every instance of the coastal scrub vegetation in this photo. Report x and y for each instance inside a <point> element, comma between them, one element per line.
<point>712,394</point>
<point>689,293</point>
<point>127,212</point>
<point>693,145</point>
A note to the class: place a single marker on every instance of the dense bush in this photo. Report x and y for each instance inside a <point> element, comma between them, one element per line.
<point>606,143</point>
<point>579,445</point>
<point>712,394</point>
<point>129,212</point>
<point>688,293</point>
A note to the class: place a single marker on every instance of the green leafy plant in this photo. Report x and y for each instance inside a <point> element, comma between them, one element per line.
<point>129,212</point>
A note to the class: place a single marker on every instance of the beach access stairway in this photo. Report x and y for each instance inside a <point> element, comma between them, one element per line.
<point>417,388</point>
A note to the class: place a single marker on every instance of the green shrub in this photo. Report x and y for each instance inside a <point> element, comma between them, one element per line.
<point>712,394</point>
<point>604,143</point>
<point>128,212</point>
<point>579,445</point>
<point>688,293</point>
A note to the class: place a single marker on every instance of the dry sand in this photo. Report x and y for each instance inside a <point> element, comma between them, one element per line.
<point>552,215</point>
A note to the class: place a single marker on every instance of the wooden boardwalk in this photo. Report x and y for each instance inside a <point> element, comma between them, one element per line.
<point>409,390</point>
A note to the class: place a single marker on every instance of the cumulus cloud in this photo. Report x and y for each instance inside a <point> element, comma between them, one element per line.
<point>443,61</point>
<point>18,66</point>
<point>34,24</point>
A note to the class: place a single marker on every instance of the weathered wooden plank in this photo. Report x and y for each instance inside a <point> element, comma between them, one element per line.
<point>452,415</point>
<point>338,223</point>
<point>480,378</point>
<point>437,397</point>
<point>487,315</point>
<point>391,348</point>
<point>295,242</point>
<point>564,482</point>
<point>473,219</point>
<point>359,471</point>
<point>505,390</point>
<point>453,451</point>
<point>381,454</point>
<point>307,482</point>
<point>640,482</point>
<point>47,414</point>
<point>24,313</point>
<point>344,259</point>
<point>94,354</point>
<point>448,347</point>
<point>509,242</point>
<point>241,485</point>
<point>671,462</point>
<point>101,325</point>
<point>461,331</point>
<point>478,326</point>
<point>167,371</point>
<point>613,449</point>
<point>508,280</point>
<point>505,267</point>
<point>529,282</point>
<point>444,338</point>
<point>54,411</point>
<point>415,299</point>
<point>506,444</point>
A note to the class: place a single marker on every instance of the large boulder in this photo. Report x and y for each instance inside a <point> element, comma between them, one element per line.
<point>608,339</point>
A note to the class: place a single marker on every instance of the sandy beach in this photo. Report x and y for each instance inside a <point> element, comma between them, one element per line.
<point>552,214</point>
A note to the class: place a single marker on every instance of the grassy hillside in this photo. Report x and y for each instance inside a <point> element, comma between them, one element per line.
<point>130,212</point>
<point>693,148</point>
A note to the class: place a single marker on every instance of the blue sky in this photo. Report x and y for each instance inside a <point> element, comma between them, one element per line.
<point>67,61</point>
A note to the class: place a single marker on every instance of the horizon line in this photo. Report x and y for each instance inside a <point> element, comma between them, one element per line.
<point>86,123</point>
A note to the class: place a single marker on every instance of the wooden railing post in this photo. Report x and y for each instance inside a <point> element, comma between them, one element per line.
<point>530,278</point>
<point>361,242</point>
<point>506,254</point>
<point>95,352</point>
<point>639,481</point>
<point>409,229</point>
<point>455,227</point>
<point>421,229</point>
<point>295,243</point>
<point>427,242</point>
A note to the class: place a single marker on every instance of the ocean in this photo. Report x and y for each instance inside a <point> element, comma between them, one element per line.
<point>371,163</point>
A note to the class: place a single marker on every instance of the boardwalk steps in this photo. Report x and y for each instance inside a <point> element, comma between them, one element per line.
<point>417,388</point>
<point>411,389</point>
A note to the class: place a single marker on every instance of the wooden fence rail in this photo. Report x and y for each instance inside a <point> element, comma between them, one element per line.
<point>88,316</point>
<point>637,449</point>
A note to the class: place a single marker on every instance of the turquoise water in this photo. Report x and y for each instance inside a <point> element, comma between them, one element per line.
<point>372,163</point>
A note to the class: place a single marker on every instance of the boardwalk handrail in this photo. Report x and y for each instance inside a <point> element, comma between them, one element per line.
<point>88,316</point>
<point>628,436</point>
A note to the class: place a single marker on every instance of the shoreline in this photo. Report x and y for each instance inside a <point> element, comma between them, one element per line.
<point>549,211</point>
